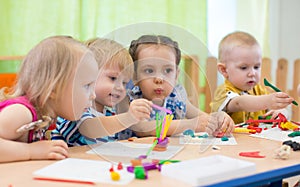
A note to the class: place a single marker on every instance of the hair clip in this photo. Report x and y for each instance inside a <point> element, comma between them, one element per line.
<point>36,124</point>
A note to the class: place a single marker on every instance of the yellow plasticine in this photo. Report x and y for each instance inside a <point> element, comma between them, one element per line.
<point>244,130</point>
<point>289,125</point>
<point>115,176</point>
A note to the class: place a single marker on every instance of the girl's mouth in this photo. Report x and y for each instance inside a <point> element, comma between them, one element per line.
<point>158,91</point>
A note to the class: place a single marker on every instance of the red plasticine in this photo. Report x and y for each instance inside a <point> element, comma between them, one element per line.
<point>254,154</point>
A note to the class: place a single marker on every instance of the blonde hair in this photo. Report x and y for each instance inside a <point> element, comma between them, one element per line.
<point>109,53</point>
<point>235,39</point>
<point>46,68</point>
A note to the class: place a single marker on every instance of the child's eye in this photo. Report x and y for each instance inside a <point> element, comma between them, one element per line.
<point>168,70</point>
<point>88,86</point>
<point>125,83</point>
<point>113,78</point>
<point>243,67</point>
<point>148,71</point>
<point>256,67</point>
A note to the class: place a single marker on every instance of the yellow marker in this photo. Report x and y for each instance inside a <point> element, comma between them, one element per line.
<point>244,130</point>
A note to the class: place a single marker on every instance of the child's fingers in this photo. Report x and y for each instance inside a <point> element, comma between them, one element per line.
<point>60,151</point>
<point>274,115</point>
<point>209,129</point>
<point>226,123</point>
<point>270,112</point>
<point>141,105</point>
<point>224,126</point>
<point>61,143</point>
<point>56,156</point>
<point>229,126</point>
<point>142,102</point>
<point>283,98</point>
<point>281,95</point>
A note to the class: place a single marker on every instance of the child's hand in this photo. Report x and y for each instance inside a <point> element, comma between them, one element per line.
<point>219,122</point>
<point>54,150</point>
<point>140,109</point>
<point>274,113</point>
<point>278,100</point>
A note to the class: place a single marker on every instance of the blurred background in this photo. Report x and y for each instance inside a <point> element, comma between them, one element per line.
<point>274,23</point>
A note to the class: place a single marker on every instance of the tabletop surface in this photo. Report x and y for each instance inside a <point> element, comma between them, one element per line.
<point>19,174</point>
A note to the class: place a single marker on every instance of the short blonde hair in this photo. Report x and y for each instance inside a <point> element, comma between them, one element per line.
<point>46,68</point>
<point>233,40</point>
<point>109,53</point>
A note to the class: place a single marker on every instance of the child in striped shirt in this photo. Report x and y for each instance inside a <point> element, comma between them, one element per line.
<point>115,71</point>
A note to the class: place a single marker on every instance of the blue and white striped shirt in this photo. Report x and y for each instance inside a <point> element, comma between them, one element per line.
<point>69,130</point>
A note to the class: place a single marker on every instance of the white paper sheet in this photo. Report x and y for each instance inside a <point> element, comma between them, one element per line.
<point>133,150</point>
<point>276,134</point>
<point>84,170</point>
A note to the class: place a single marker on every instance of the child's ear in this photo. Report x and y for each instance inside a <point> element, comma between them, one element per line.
<point>53,94</point>
<point>222,69</point>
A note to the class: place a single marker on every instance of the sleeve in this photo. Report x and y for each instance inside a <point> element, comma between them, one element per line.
<point>69,130</point>
<point>64,129</point>
<point>230,95</point>
<point>221,98</point>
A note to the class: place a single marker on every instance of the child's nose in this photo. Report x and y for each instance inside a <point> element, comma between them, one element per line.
<point>252,72</point>
<point>158,80</point>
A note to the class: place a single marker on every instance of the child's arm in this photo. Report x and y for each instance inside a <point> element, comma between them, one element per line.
<point>212,124</point>
<point>9,123</point>
<point>251,103</point>
<point>13,144</point>
<point>139,110</point>
<point>196,120</point>
<point>148,128</point>
<point>18,151</point>
<point>192,111</point>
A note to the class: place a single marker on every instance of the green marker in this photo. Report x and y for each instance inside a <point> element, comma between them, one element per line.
<point>276,89</point>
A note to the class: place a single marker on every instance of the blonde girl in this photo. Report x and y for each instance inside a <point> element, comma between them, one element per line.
<point>115,71</point>
<point>56,78</point>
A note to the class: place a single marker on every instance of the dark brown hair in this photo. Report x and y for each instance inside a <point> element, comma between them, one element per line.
<point>156,40</point>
